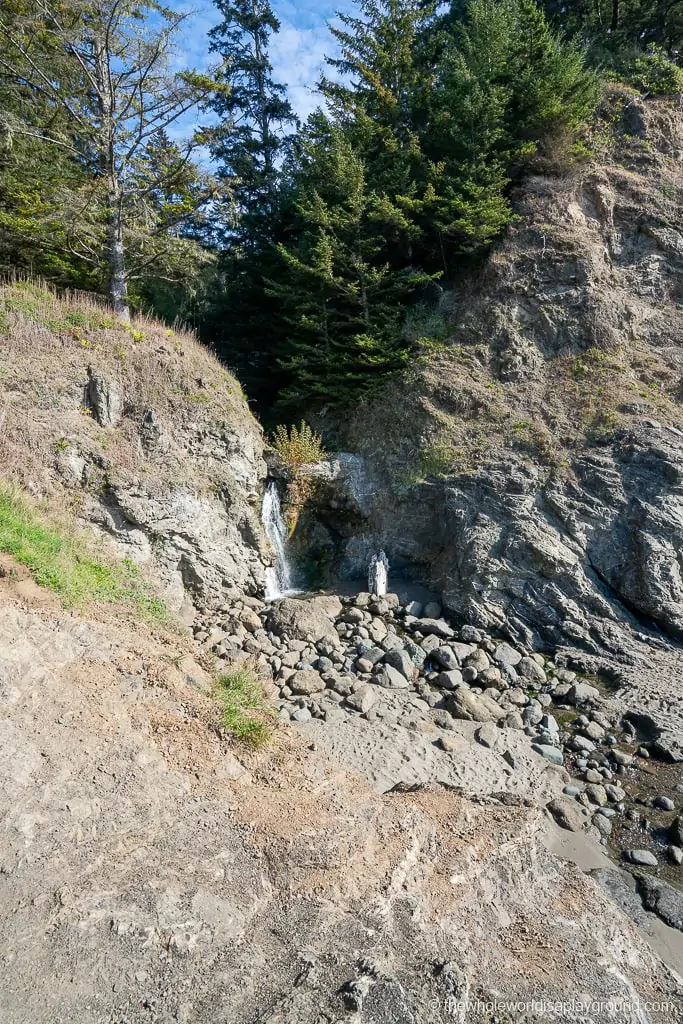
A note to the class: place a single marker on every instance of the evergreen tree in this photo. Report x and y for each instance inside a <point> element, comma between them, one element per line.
<point>342,301</point>
<point>105,73</point>
<point>382,81</point>
<point>614,27</point>
<point>256,117</point>
<point>250,146</point>
<point>32,238</point>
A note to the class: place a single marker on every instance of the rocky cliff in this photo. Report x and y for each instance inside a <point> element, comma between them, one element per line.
<point>529,466</point>
<point>141,433</point>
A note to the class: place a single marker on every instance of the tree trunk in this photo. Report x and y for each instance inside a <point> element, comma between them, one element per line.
<point>615,15</point>
<point>116,258</point>
<point>118,282</point>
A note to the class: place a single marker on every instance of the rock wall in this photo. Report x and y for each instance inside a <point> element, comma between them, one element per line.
<point>142,434</point>
<point>529,466</point>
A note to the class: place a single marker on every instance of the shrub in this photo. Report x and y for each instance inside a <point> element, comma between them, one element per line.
<point>298,446</point>
<point>245,713</point>
<point>652,72</point>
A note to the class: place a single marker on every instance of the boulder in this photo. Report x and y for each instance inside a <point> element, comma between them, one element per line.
<point>663,899</point>
<point>487,735</point>
<point>668,746</point>
<point>449,680</point>
<point>446,657</point>
<point>402,662</point>
<point>250,620</point>
<point>529,669</point>
<point>306,682</point>
<point>676,831</point>
<point>299,620</point>
<point>391,679</point>
<point>552,754</point>
<point>583,693</point>
<point>568,814</point>
<point>354,616</point>
<point>435,627</point>
<point>105,398</point>
<point>363,698</point>
<point>328,604</point>
<point>644,858</point>
<point>504,654</point>
<point>472,708</point>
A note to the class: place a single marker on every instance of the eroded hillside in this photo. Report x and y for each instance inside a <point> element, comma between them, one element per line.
<point>139,432</point>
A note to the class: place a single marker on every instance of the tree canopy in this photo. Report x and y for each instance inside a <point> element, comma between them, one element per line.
<point>300,251</point>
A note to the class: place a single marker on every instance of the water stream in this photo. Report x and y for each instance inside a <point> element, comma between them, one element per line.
<point>279,578</point>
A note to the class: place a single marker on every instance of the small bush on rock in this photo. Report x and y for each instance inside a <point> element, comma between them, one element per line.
<point>298,446</point>
<point>652,72</point>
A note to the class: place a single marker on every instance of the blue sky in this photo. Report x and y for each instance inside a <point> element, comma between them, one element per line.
<point>297,52</point>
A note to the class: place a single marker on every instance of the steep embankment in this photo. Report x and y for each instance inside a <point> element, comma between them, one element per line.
<point>140,432</point>
<point>530,467</point>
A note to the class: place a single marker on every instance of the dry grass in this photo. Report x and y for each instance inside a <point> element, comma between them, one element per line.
<point>47,343</point>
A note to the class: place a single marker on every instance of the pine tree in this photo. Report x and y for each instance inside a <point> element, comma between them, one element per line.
<point>382,81</point>
<point>256,117</point>
<point>615,27</point>
<point>341,299</point>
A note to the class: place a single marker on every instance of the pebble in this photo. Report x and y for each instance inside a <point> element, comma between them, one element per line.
<point>437,673</point>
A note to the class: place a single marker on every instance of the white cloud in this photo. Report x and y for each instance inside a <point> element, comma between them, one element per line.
<point>297,52</point>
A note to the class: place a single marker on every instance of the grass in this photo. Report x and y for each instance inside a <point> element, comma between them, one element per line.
<point>245,713</point>
<point>60,561</point>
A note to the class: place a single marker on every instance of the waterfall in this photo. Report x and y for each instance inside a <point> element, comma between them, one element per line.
<point>279,577</point>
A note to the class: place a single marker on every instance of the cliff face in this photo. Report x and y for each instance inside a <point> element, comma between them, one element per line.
<point>141,433</point>
<point>530,466</point>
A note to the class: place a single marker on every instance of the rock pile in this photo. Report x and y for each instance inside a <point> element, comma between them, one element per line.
<point>395,662</point>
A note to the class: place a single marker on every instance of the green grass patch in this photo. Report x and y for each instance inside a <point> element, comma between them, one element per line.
<point>60,561</point>
<point>245,712</point>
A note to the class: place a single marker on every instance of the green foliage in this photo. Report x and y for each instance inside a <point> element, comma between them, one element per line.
<point>404,178</point>
<point>244,711</point>
<point>59,560</point>
<point>338,294</point>
<point>298,446</point>
<point>255,117</point>
<point>615,26</point>
<point>89,97</point>
<point>651,72</point>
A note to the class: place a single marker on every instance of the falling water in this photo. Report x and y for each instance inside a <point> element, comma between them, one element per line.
<point>279,577</point>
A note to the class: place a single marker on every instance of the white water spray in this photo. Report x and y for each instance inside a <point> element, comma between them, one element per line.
<point>279,577</point>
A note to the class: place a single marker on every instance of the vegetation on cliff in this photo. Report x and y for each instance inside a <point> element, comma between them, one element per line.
<point>308,252</point>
